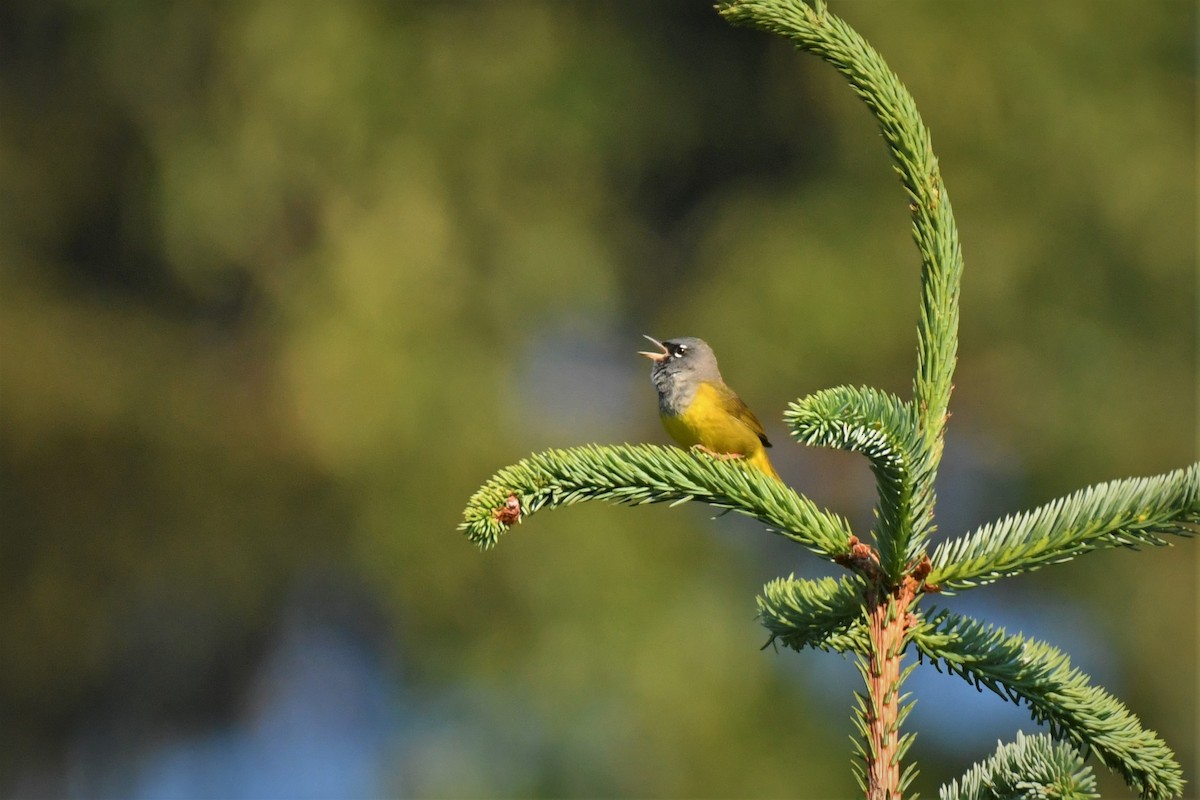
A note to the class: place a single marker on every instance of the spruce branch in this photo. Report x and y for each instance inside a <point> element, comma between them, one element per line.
<point>818,614</point>
<point>885,429</point>
<point>1032,767</point>
<point>1024,670</point>
<point>813,29</point>
<point>1125,513</point>
<point>638,474</point>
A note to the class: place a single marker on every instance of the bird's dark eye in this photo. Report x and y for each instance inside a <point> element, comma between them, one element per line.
<point>680,349</point>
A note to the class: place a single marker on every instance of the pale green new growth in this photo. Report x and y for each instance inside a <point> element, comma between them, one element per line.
<point>1128,513</point>
<point>1031,768</point>
<point>645,473</point>
<point>903,442</point>
<point>818,614</point>
<point>886,430</point>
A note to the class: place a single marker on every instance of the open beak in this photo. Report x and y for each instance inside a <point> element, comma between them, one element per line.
<point>655,356</point>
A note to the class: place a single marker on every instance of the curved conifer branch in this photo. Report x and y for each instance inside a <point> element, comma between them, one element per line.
<point>1032,766</point>
<point>814,613</point>
<point>644,473</point>
<point>885,429</point>
<point>815,30</point>
<point>1127,513</point>
<point>1020,669</point>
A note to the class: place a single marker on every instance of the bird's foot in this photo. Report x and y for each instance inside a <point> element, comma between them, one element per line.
<point>699,448</point>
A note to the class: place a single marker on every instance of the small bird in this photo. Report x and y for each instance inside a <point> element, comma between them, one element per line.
<point>699,410</point>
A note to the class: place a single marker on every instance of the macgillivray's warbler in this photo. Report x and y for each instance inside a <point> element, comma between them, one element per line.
<point>699,410</point>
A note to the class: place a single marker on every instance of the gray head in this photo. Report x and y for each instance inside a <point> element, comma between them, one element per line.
<point>682,364</point>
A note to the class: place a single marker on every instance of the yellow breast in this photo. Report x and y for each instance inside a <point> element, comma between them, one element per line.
<point>707,422</point>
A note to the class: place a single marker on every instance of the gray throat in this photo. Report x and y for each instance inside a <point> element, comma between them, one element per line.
<point>674,393</point>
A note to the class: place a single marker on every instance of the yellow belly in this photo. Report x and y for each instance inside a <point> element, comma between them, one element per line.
<point>707,423</point>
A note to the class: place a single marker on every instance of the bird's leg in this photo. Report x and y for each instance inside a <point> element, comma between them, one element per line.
<point>699,448</point>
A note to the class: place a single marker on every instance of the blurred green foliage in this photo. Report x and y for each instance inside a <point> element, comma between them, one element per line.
<point>271,274</point>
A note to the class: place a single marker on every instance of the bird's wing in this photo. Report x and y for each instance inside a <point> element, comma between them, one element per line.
<point>734,405</point>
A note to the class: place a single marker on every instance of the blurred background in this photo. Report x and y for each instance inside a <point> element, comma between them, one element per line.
<point>283,282</point>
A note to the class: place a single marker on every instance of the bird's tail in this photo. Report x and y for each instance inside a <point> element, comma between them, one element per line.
<point>763,464</point>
